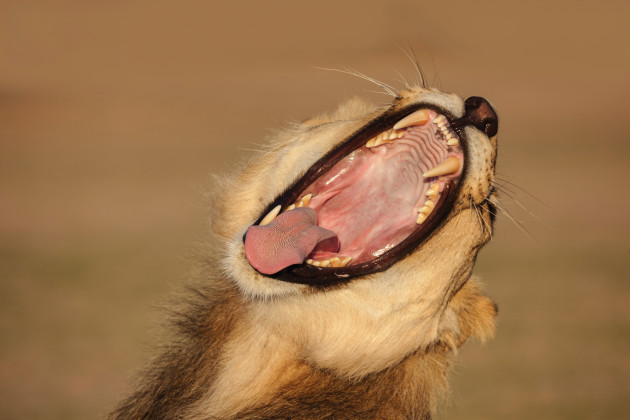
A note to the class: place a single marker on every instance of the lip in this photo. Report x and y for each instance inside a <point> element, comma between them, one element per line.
<point>324,276</point>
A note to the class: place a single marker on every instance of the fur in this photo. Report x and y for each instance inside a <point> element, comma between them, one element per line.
<point>251,347</point>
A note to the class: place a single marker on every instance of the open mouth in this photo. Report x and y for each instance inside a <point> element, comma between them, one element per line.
<point>366,204</point>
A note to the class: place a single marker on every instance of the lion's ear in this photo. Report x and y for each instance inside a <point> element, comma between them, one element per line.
<point>476,315</point>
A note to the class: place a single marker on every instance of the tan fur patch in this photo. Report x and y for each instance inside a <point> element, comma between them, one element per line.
<point>378,346</point>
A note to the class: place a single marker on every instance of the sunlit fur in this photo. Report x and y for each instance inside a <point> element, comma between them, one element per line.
<point>250,346</point>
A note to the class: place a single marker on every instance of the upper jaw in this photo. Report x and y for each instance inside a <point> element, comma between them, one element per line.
<point>320,276</point>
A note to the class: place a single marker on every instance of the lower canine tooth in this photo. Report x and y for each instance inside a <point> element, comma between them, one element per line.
<point>270,216</point>
<point>449,166</point>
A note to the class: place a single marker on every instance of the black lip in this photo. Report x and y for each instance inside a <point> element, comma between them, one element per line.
<point>319,276</point>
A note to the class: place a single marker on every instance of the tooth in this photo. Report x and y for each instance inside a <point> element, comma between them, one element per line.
<point>400,134</point>
<point>433,191</point>
<point>335,261</point>
<point>345,261</point>
<point>370,142</point>
<point>421,218</point>
<point>270,216</point>
<point>291,207</point>
<point>427,208</point>
<point>439,120</point>
<point>324,263</point>
<point>309,261</point>
<point>393,135</point>
<point>419,117</point>
<point>315,263</point>
<point>380,141</point>
<point>306,199</point>
<point>448,166</point>
<point>452,142</point>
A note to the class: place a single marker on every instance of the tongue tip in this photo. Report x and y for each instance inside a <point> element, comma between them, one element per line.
<point>286,241</point>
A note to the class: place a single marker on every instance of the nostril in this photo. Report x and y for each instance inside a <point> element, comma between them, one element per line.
<point>480,114</point>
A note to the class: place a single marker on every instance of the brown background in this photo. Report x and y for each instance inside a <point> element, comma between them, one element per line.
<point>112,113</point>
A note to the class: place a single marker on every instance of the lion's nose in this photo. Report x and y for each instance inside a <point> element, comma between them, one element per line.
<point>479,113</point>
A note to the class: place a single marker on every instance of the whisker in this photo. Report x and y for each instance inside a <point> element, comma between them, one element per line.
<point>411,55</point>
<point>517,223</point>
<point>386,87</point>
<point>404,80</point>
<point>522,189</point>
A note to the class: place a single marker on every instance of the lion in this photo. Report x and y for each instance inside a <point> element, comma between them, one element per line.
<point>336,278</point>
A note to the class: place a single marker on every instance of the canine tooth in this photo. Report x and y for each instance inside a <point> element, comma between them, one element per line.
<point>448,166</point>
<point>291,207</point>
<point>421,218</point>
<point>270,216</point>
<point>345,261</point>
<point>419,117</point>
<point>335,261</point>
<point>452,142</point>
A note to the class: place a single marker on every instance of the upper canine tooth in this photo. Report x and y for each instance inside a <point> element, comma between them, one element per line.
<point>270,216</point>
<point>419,117</point>
<point>449,166</point>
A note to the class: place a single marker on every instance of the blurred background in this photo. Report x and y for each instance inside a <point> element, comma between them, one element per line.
<point>113,113</point>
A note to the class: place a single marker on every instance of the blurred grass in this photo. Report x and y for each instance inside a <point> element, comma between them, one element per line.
<point>112,115</point>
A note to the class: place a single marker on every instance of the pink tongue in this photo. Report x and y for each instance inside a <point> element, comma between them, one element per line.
<point>287,240</point>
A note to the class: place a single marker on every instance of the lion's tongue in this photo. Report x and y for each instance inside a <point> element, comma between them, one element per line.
<point>287,240</point>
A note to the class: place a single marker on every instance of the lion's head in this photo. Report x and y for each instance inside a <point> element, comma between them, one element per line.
<point>364,223</point>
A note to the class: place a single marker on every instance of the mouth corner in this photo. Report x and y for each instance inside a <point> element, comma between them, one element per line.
<point>382,192</point>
